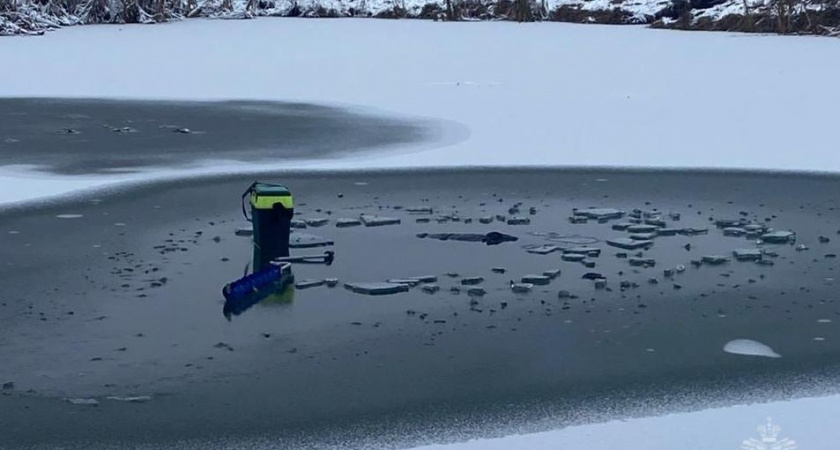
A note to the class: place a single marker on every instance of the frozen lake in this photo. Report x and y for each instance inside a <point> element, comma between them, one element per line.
<point>526,94</point>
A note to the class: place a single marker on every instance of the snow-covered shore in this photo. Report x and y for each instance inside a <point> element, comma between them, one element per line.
<point>821,17</point>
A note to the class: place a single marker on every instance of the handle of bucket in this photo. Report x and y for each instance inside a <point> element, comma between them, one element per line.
<point>244,196</point>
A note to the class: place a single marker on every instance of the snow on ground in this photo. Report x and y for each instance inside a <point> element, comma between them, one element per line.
<point>809,423</point>
<point>530,94</point>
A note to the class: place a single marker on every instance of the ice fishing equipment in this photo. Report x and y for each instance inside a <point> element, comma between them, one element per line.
<point>257,281</point>
<point>272,209</point>
<point>275,280</point>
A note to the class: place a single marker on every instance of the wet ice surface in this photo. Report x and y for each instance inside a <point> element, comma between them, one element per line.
<point>474,331</point>
<point>84,136</point>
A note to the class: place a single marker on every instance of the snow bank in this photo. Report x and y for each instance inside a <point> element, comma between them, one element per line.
<point>810,423</point>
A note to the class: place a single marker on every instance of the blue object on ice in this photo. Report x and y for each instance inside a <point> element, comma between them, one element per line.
<point>249,284</point>
<point>275,282</point>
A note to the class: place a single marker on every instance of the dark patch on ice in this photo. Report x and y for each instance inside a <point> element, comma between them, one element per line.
<point>84,136</point>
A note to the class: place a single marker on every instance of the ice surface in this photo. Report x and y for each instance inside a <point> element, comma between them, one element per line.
<point>723,91</point>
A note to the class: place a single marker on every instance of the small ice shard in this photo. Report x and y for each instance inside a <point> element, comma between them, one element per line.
<point>656,221</point>
<point>623,226</point>
<point>747,254</point>
<point>69,216</point>
<point>83,401</point>
<point>629,244</point>
<point>344,223</point>
<point>407,281</point>
<point>694,231</point>
<point>420,210</point>
<point>317,222</point>
<point>778,237</point>
<point>182,131</point>
<point>643,236</point>
<point>543,249</point>
<point>642,229</point>
<point>642,262</point>
<point>137,399</point>
<point>518,220</point>
<point>593,252</point>
<point>425,279</point>
<point>376,288</point>
<point>298,224</point>
<point>476,292</point>
<point>486,220</point>
<point>715,260</point>
<point>749,347</point>
<point>553,273</point>
<point>430,288</point>
<point>124,130</point>
<point>303,240</point>
<point>728,223</point>
<point>331,282</point>
<point>244,231</point>
<point>471,281</point>
<point>306,284</point>
<point>573,257</point>
<point>668,231</point>
<point>537,280</point>
<point>378,221</point>
<point>600,213</point>
<point>521,288</point>
<point>734,231</point>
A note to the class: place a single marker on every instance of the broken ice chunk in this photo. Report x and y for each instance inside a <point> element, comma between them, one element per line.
<point>747,254</point>
<point>244,231</point>
<point>378,221</point>
<point>629,244</point>
<point>518,220</point>
<point>344,223</point>
<point>600,213</point>
<point>537,280</point>
<point>304,240</point>
<point>306,284</point>
<point>376,288</point>
<point>778,237</point>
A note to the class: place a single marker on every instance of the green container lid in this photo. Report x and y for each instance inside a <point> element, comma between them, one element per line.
<point>272,190</point>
